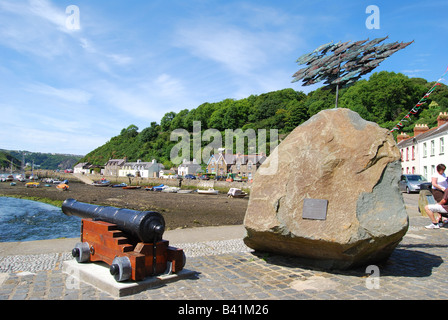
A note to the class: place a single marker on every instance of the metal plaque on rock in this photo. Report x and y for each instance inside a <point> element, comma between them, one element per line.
<point>315,209</point>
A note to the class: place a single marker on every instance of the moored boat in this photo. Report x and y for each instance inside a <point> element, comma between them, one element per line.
<point>32,184</point>
<point>236,193</point>
<point>171,189</point>
<point>159,188</point>
<point>101,183</point>
<point>209,191</point>
<point>132,187</point>
<point>185,191</point>
<point>62,187</point>
<point>121,185</point>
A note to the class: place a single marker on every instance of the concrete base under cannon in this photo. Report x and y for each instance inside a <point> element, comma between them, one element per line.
<point>98,275</point>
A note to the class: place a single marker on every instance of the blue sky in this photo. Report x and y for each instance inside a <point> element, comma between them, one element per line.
<point>130,62</point>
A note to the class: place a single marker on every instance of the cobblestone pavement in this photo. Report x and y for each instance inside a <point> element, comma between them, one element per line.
<point>229,270</point>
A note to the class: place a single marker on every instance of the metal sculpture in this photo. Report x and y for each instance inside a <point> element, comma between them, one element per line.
<point>342,64</point>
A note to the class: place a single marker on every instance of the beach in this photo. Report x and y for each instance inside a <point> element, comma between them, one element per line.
<point>179,210</point>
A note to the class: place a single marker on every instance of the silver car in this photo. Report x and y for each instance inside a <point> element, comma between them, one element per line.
<point>411,182</point>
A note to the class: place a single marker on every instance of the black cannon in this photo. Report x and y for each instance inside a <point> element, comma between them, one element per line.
<point>146,226</point>
<point>129,241</point>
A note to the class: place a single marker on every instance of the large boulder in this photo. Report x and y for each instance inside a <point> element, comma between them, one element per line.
<point>351,164</point>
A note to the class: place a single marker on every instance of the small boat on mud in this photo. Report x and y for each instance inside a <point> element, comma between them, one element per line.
<point>159,188</point>
<point>185,191</point>
<point>209,191</point>
<point>236,193</point>
<point>171,189</point>
<point>62,187</point>
<point>101,183</point>
<point>132,187</point>
<point>32,184</point>
<point>121,185</point>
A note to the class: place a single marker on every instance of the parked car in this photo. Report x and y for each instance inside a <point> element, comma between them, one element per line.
<point>411,182</point>
<point>204,177</point>
<point>190,176</point>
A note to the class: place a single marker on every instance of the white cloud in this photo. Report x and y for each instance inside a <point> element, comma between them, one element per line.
<point>147,100</point>
<point>414,72</point>
<point>38,27</point>
<point>117,59</point>
<point>87,45</point>
<point>70,95</point>
<point>33,27</point>
<point>45,10</point>
<point>33,130</point>
<point>238,50</point>
<point>53,140</point>
<point>79,88</point>
<point>120,59</point>
<point>246,46</point>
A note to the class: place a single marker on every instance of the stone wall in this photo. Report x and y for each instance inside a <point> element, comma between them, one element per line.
<point>202,184</point>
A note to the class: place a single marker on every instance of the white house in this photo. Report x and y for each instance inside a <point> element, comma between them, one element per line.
<point>422,153</point>
<point>141,169</point>
<point>167,174</point>
<point>189,167</point>
<point>83,168</point>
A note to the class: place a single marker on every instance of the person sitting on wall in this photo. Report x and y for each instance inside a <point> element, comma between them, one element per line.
<point>439,183</point>
<point>441,208</point>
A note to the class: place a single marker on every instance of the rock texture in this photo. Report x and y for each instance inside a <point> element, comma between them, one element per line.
<point>339,157</point>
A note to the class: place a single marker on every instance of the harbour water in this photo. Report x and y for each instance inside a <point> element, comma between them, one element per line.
<point>25,220</point>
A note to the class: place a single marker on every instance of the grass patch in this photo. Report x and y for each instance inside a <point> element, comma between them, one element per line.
<point>56,203</point>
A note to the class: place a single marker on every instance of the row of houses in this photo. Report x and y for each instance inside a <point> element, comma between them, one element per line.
<point>242,165</point>
<point>220,164</point>
<point>123,168</point>
<point>421,153</point>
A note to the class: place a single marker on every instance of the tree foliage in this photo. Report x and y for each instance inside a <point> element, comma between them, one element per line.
<point>384,98</point>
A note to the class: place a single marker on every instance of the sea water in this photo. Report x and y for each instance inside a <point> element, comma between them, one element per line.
<point>25,220</point>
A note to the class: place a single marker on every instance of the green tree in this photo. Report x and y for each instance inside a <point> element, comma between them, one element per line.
<point>295,114</point>
<point>165,122</point>
<point>319,100</point>
<point>384,97</point>
<point>130,132</point>
<point>178,120</point>
<point>150,133</point>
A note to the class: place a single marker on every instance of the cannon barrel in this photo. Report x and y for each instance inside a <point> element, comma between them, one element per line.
<point>147,226</point>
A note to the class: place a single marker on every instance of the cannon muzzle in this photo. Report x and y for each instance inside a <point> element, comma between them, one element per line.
<point>147,226</point>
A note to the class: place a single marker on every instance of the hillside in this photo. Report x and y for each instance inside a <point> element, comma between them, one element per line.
<point>6,159</point>
<point>384,98</point>
<point>48,161</point>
